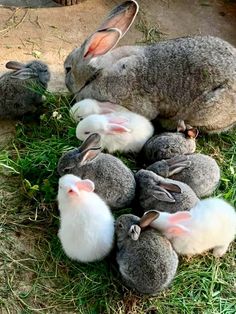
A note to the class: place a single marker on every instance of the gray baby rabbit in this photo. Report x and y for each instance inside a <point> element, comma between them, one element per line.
<point>17,88</point>
<point>199,171</point>
<point>114,182</point>
<point>188,78</point>
<point>155,192</point>
<point>170,144</point>
<point>147,261</point>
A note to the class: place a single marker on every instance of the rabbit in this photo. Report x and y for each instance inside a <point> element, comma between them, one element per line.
<point>191,78</point>
<point>170,144</point>
<point>199,171</point>
<point>120,131</point>
<point>114,182</point>
<point>146,259</point>
<point>18,96</point>
<point>210,224</point>
<point>86,223</point>
<point>155,192</point>
<point>86,107</point>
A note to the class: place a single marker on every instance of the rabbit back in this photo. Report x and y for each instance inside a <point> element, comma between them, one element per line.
<point>213,226</point>
<point>86,229</point>
<point>149,264</point>
<point>202,175</point>
<point>149,197</point>
<point>150,82</point>
<point>114,182</point>
<point>167,145</point>
<point>21,95</point>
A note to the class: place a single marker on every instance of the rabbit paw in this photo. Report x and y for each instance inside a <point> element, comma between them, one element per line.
<point>220,251</point>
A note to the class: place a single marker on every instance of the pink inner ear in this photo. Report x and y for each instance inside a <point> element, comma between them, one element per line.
<point>117,120</point>
<point>106,107</point>
<point>116,128</point>
<point>176,230</point>
<point>178,217</point>
<point>101,42</point>
<point>85,185</point>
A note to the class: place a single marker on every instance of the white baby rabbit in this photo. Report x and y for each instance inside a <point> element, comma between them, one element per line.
<point>88,106</point>
<point>87,225</point>
<point>210,224</point>
<point>120,131</point>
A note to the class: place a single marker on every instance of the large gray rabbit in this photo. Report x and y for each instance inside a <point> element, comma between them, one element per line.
<point>114,182</point>
<point>21,90</point>
<point>189,78</point>
<point>199,171</point>
<point>146,259</point>
<point>156,192</point>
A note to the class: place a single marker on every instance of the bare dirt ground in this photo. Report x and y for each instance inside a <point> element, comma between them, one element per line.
<point>45,30</point>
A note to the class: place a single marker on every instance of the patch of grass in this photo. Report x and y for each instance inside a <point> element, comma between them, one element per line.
<point>35,274</point>
<point>151,33</point>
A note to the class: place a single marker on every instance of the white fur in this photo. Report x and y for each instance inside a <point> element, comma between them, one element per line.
<point>86,107</point>
<point>86,223</point>
<point>139,130</point>
<point>212,225</point>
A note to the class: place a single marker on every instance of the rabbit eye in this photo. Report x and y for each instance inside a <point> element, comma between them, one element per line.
<point>120,226</point>
<point>68,69</point>
<point>86,133</point>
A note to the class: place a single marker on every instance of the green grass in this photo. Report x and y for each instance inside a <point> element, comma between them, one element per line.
<point>37,277</point>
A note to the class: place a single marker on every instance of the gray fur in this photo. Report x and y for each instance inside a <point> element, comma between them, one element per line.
<point>199,171</point>
<point>16,95</point>
<point>147,265</point>
<point>167,145</point>
<point>188,78</point>
<point>165,195</point>
<point>114,182</point>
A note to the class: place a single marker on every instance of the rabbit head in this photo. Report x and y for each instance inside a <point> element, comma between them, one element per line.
<point>102,124</point>
<point>89,149</point>
<point>71,186</point>
<point>83,109</point>
<point>78,65</point>
<point>187,129</point>
<point>32,70</point>
<point>86,107</point>
<point>130,226</point>
<point>161,188</point>
<point>168,167</point>
<point>170,224</point>
<point>163,194</point>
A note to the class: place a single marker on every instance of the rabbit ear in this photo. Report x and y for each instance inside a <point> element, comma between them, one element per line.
<point>178,167</point>
<point>121,17</point>
<point>162,195</point>
<point>115,125</point>
<point>89,155</point>
<point>117,128</point>
<point>85,185</point>
<point>170,187</point>
<point>134,232</point>
<point>24,74</point>
<point>92,141</point>
<point>14,65</point>
<point>181,127</point>
<point>106,107</point>
<point>148,218</point>
<point>101,42</point>
<point>177,230</point>
<point>191,132</point>
<point>179,217</point>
